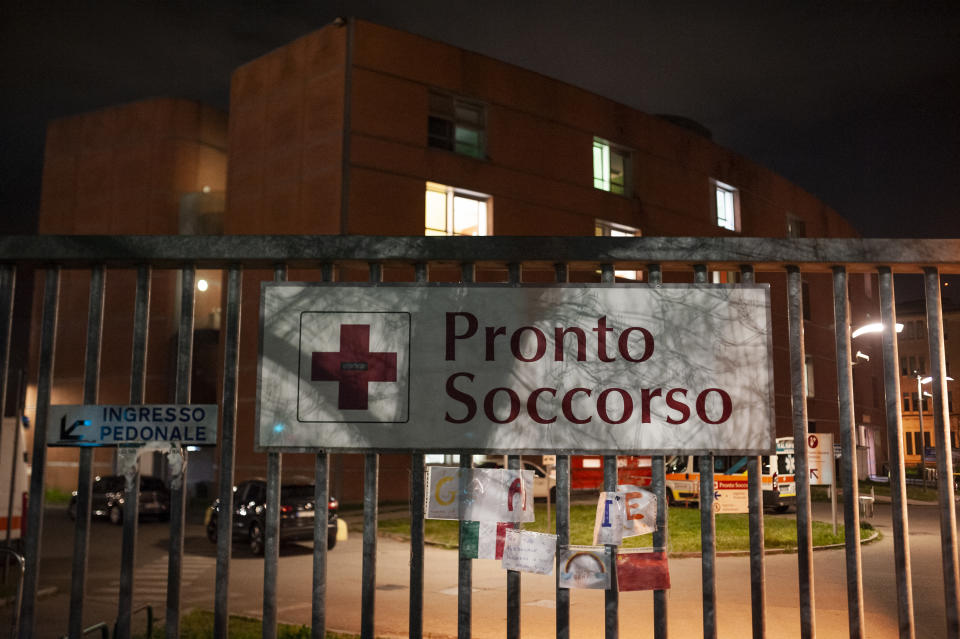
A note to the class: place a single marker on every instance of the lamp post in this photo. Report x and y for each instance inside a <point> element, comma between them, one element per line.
<point>923,444</point>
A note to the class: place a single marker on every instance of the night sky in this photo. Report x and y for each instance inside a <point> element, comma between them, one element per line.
<point>856,102</point>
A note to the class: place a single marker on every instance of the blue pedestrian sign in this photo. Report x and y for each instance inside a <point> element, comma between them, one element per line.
<point>132,425</point>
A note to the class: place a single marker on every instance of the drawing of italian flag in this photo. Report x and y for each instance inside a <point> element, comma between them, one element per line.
<point>482,539</point>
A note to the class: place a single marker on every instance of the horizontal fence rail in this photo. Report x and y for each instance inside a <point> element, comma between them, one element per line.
<point>498,261</point>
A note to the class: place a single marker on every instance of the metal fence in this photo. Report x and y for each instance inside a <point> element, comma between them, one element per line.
<point>516,257</point>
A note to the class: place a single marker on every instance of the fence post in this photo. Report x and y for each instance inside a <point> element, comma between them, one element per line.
<point>898,488</point>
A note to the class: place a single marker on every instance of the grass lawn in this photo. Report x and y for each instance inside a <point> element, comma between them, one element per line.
<point>919,493</point>
<point>684,526</point>
<point>198,624</point>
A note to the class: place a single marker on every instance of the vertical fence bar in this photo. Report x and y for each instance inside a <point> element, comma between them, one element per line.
<point>368,601</point>
<point>513,577</point>
<point>8,280</point>
<point>708,525</point>
<point>798,384</point>
<point>464,570</point>
<point>271,546</point>
<point>318,604</point>
<point>465,564</point>
<point>31,545</point>
<point>228,427</point>
<point>178,481</point>
<point>941,425</point>
<point>371,470</point>
<point>318,614</point>
<point>898,488</point>
<point>513,463</point>
<point>562,275</point>
<point>708,548</point>
<point>758,595</point>
<point>563,539</point>
<point>848,458</point>
<point>138,376</point>
<point>417,496</point>
<point>658,481</point>
<point>91,379</point>
<point>611,598</point>
<point>611,594</point>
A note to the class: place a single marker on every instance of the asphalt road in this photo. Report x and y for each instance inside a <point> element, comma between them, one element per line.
<point>489,582</point>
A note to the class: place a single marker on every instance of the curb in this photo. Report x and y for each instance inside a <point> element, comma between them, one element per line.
<point>678,555</point>
<point>42,593</point>
<point>772,551</point>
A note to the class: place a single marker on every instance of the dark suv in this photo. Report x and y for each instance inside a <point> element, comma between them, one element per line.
<point>107,498</point>
<point>249,514</point>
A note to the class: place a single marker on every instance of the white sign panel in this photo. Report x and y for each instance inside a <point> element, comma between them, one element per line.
<point>603,369</point>
<point>132,425</point>
<point>820,458</point>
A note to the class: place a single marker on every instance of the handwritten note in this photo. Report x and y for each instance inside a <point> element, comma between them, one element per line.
<point>529,551</point>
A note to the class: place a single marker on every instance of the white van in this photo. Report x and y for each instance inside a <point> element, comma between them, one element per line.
<point>779,487</point>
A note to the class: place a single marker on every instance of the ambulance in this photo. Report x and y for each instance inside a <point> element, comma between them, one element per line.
<point>14,485</point>
<point>586,472</point>
<point>777,476</point>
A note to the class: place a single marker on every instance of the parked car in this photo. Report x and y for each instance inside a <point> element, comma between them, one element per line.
<point>107,498</point>
<point>542,485</point>
<point>250,510</point>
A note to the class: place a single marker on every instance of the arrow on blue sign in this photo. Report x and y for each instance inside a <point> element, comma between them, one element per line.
<point>66,432</point>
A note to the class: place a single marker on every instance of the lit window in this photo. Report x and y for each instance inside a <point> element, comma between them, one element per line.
<point>727,206</point>
<point>611,167</point>
<point>602,228</point>
<point>456,125</point>
<point>452,211</point>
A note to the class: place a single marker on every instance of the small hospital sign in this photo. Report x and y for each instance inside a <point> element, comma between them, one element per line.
<point>590,368</point>
<point>132,425</point>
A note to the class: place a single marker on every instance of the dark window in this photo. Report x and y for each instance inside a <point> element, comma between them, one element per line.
<point>298,490</point>
<point>456,124</point>
<point>811,427</point>
<point>916,443</point>
<point>677,464</point>
<point>909,442</point>
<point>796,227</point>
<point>906,402</point>
<point>926,439</point>
<point>152,483</point>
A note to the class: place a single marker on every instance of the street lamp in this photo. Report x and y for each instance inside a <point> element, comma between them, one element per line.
<point>876,327</point>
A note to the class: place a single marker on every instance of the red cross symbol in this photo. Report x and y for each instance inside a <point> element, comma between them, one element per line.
<point>354,367</point>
